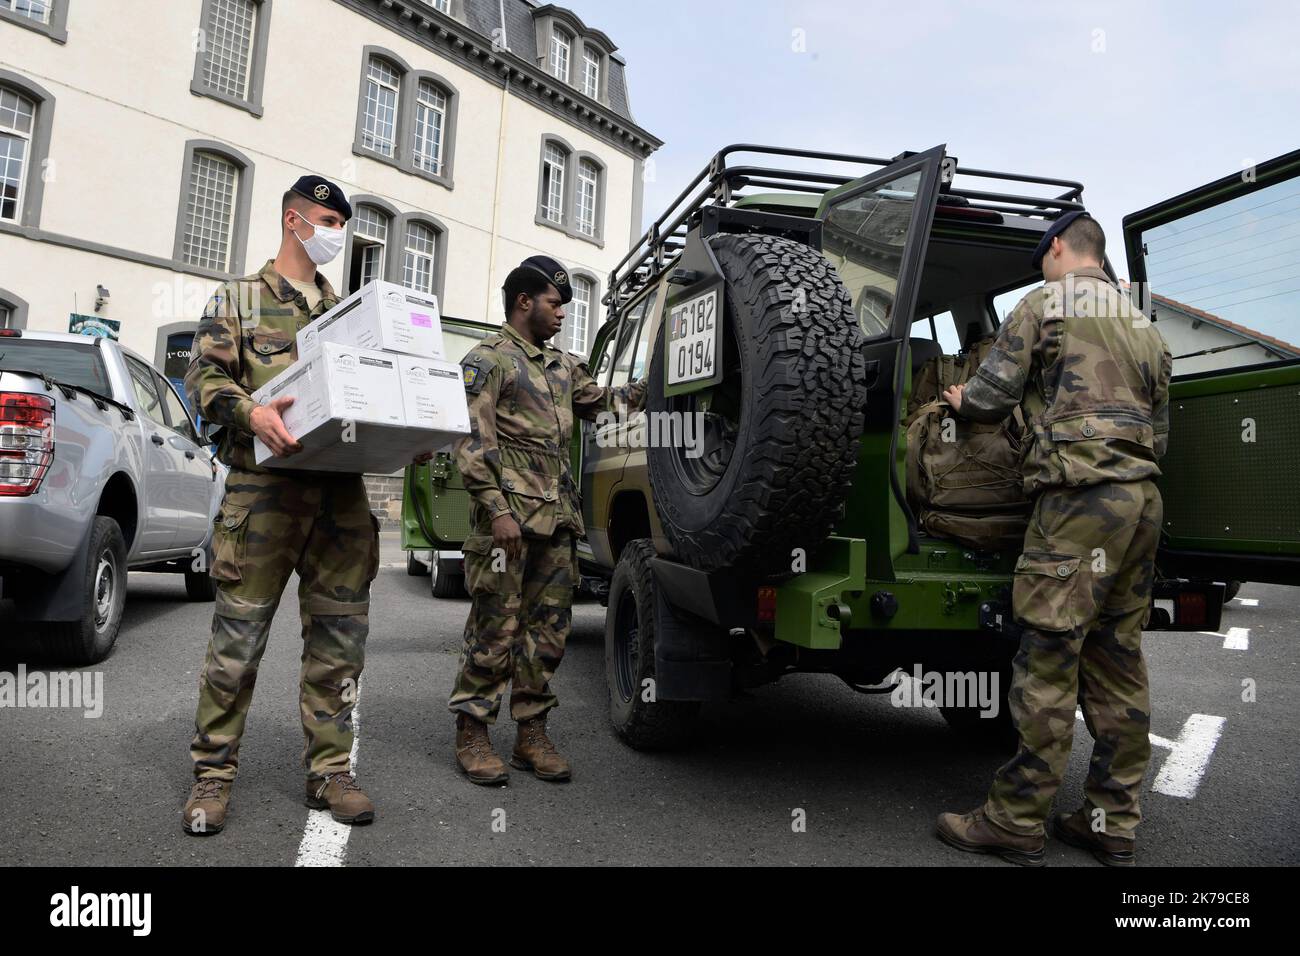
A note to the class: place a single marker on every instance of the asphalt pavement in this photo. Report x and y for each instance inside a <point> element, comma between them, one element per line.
<point>865,779</point>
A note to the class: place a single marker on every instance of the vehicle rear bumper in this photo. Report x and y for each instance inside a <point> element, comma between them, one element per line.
<point>35,535</point>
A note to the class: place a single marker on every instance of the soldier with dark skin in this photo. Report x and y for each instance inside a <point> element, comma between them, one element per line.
<point>274,522</point>
<point>1091,374</point>
<point>520,558</point>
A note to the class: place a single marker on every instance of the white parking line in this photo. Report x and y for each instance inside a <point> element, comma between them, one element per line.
<point>1248,602</point>
<point>1237,638</point>
<point>1189,755</point>
<point>324,842</point>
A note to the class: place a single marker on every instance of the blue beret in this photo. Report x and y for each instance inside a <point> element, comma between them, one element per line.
<point>554,272</point>
<point>1059,226</point>
<point>320,190</point>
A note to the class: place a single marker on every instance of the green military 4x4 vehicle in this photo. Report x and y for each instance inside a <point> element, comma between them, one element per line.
<point>755,521</point>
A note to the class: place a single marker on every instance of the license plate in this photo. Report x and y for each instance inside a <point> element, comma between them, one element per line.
<point>692,338</point>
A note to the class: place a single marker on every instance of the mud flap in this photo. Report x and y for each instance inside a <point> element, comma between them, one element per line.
<point>691,656</point>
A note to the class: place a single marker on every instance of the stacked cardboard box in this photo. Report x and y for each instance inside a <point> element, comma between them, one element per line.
<point>371,386</point>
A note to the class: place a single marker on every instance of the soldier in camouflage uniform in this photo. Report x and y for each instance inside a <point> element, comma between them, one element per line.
<point>272,523</point>
<point>1091,374</point>
<point>520,558</point>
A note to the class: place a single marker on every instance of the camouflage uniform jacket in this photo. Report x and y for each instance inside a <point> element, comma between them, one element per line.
<point>1092,375</point>
<point>522,400</point>
<point>245,338</point>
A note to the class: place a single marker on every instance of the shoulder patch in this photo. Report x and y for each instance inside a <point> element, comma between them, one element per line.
<point>474,371</point>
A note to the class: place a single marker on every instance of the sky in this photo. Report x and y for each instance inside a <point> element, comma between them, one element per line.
<point>1139,101</point>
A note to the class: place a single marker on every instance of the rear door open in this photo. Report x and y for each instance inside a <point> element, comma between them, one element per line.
<point>1218,269</point>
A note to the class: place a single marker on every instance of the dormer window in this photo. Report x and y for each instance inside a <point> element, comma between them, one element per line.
<point>591,72</point>
<point>561,44</point>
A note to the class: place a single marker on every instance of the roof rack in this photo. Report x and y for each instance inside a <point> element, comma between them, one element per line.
<point>720,184</point>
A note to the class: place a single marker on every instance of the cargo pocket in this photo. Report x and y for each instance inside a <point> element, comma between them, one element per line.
<point>1103,446</point>
<point>533,498</point>
<point>230,529</point>
<point>480,576</point>
<point>1049,593</point>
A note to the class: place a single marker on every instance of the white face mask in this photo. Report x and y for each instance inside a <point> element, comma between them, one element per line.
<point>325,243</point>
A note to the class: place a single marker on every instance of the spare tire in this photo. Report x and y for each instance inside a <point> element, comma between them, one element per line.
<point>782,428</point>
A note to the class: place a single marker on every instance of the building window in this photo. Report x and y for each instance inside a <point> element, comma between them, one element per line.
<point>44,16</point>
<point>442,6</point>
<point>577,323</point>
<point>379,129</point>
<point>38,10</point>
<point>553,163</point>
<point>231,58</point>
<point>13,311</point>
<point>406,118</point>
<point>210,211</point>
<point>588,190</point>
<point>212,224</point>
<point>420,254</point>
<point>229,46</point>
<point>430,121</point>
<point>558,62</point>
<point>590,72</point>
<point>17,125</point>
<point>571,191</point>
<point>370,238</point>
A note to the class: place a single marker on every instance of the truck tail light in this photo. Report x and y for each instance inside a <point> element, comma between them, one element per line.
<point>766,605</point>
<point>26,442</point>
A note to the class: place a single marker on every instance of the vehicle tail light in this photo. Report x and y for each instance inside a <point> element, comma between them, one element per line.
<point>26,442</point>
<point>1192,608</point>
<point>766,605</point>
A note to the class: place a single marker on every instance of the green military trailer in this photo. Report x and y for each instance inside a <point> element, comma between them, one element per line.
<point>756,519</point>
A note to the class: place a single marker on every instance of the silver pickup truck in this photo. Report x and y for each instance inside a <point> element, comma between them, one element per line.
<point>101,471</point>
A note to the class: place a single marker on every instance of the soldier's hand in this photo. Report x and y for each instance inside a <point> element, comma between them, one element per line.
<point>267,425</point>
<point>952,395</point>
<point>507,536</point>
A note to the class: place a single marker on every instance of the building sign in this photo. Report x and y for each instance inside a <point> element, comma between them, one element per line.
<point>177,355</point>
<point>94,325</point>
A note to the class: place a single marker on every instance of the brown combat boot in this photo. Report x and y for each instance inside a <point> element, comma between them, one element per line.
<point>342,796</point>
<point>474,752</point>
<point>1076,831</point>
<point>205,810</point>
<point>975,833</point>
<point>534,751</point>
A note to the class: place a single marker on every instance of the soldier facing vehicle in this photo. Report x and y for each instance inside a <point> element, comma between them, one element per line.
<point>1092,376</point>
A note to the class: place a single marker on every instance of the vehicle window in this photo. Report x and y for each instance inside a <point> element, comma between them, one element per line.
<point>68,362</point>
<point>627,336</point>
<point>864,237</point>
<point>456,342</point>
<point>1223,281</point>
<point>177,414</point>
<point>1004,302</point>
<point>641,360</point>
<point>146,393</point>
<point>942,328</point>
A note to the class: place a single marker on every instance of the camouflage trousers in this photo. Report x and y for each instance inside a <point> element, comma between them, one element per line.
<point>1082,594</point>
<point>269,526</point>
<point>518,622</point>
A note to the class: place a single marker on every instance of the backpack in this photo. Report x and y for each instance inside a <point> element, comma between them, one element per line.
<point>963,477</point>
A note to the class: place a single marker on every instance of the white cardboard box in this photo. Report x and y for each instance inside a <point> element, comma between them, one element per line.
<point>379,315</point>
<point>433,394</point>
<point>349,413</point>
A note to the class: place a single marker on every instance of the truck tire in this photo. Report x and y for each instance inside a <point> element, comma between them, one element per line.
<point>783,426</point>
<point>90,639</point>
<point>445,584</point>
<point>630,659</point>
<point>199,585</point>
<point>415,567</point>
